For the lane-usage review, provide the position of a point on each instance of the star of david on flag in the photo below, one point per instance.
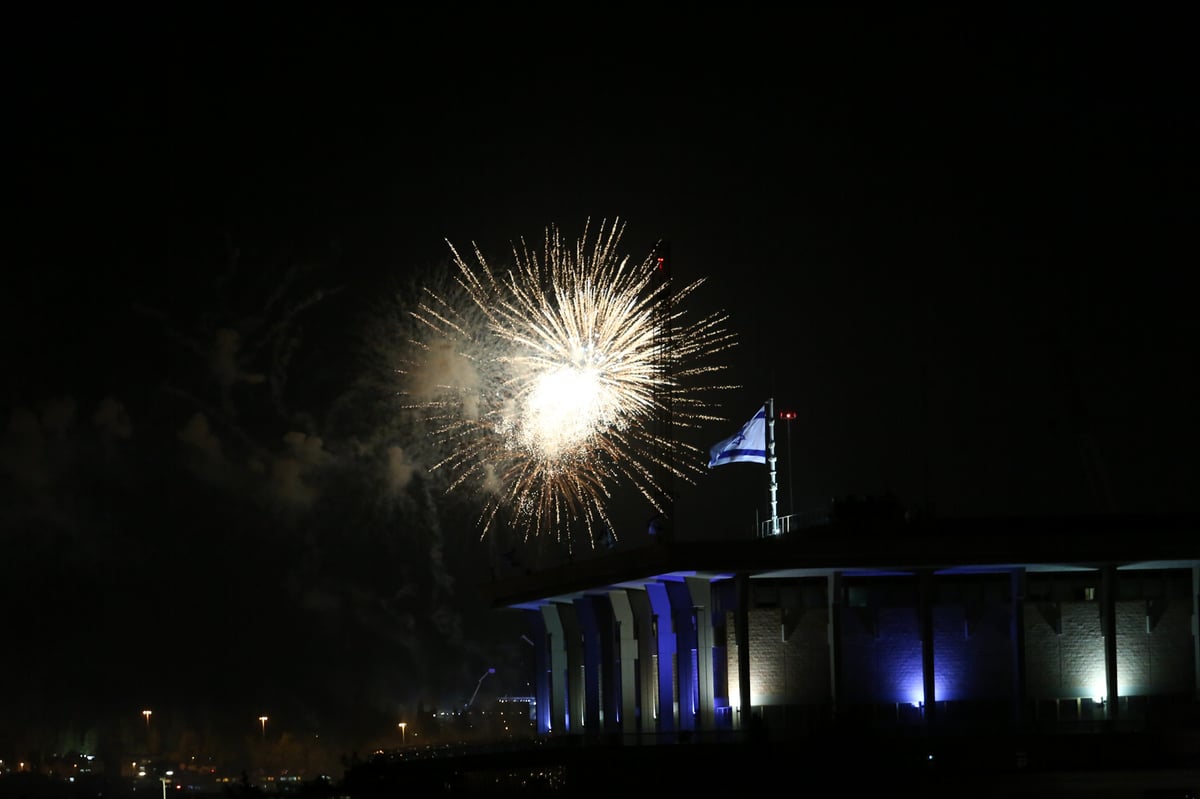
(749, 445)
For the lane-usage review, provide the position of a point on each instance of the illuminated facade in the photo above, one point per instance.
(947, 624)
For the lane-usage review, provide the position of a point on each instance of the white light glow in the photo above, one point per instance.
(546, 384)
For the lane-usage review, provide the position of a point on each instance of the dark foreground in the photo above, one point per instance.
(1110, 765)
(1104, 766)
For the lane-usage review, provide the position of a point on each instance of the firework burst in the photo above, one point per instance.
(552, 382)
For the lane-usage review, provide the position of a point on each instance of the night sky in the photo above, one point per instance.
(959, 248)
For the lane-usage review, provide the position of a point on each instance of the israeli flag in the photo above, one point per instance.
(748, 446)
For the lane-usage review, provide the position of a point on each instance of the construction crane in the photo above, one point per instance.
(471, 701)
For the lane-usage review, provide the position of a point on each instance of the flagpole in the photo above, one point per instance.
(772, 482)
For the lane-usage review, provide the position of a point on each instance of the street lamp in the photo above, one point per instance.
(263, 720)
(146, 715)
(164, 781)
(402, 725)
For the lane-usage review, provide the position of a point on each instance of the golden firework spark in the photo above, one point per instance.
(562, 377)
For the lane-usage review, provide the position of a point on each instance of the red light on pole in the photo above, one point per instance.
(789, 417)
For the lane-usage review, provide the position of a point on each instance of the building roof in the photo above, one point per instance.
(872, 543)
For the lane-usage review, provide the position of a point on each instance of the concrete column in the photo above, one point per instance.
(925, 599)
(647, 646)
(536, 624)
(1196, 625)
(1016, 633)
(593, 663)
(556, 712)
(608, 674)
(833, 599)
(665, 625)
(686, 691)
(1108, 626)
(576, 664)
(742, 635)
(701, 590)
(627, 658)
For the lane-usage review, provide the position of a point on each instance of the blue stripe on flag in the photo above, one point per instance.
(749, 445)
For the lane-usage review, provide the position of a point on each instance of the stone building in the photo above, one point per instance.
(871, 623)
